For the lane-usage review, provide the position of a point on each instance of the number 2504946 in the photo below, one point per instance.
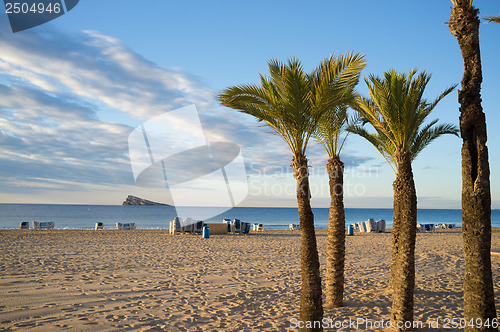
(477, 323)
(35, 8)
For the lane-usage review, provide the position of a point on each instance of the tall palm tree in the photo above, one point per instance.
(397, 110)
(479, 302)
(330, 134)
(291, 102)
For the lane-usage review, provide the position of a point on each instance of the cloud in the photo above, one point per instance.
(55, 89)
(99, 68)
(70, 100)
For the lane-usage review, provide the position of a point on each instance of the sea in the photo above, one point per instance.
(84, 217)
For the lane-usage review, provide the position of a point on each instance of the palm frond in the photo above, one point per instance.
(492, 19)
(397, 111)
(458, 3)
(330, 128)
(443, 94)
(333, 83)
(283, 101)
(428, 134)
(377, 141)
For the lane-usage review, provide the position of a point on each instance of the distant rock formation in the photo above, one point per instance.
(133, 200)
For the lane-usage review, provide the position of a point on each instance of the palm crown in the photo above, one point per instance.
(333, 122)
(397, 110)
(292, 102)
(333, 127)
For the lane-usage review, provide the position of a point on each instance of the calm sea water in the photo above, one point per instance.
(157, 217)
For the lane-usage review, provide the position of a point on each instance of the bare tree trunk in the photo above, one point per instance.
(479, 301)
(335, 246)
(311, 302)
(402, 278)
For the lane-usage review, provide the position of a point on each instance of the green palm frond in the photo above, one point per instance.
(492, 19)
(283, 101)
(377, 141)
(334, 81)
(330, 128)
(397, 110)
(429, 133)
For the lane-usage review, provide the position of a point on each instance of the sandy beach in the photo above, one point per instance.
(148, 280)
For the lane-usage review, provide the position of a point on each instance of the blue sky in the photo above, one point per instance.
(72, 91)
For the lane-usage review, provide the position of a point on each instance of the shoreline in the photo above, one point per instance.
(158, 217)
(150, 280)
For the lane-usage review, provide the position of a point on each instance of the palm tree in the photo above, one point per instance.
(397, 111)
(479, 302)
(285, 103)
(330, 135)
(292, 103)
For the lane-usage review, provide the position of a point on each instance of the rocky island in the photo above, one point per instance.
(133, 200)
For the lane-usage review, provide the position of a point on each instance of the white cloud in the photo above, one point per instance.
(57, 87)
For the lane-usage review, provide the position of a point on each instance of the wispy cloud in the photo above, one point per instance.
(57, 88)
(98, 68)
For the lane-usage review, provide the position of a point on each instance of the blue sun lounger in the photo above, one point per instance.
(245, 227)
(198, 226)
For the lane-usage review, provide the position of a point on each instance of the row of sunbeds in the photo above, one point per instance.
(188, 225)
(379, 226)
(371, 226)
(185, 226)
(238, 226)
(49, 225)
(432, 227)
(46, 225)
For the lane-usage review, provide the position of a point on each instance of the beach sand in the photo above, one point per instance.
(148, 280)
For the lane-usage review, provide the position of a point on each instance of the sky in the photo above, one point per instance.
(74, 89)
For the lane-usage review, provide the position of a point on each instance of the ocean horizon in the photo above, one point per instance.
(84, 216)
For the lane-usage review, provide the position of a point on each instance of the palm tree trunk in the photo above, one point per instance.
(311, 302)
(402, 278)
(335, 246)
(479, 302)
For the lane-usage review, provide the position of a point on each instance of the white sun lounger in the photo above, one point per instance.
(380, 225)
(426, 227)
(228, 222)
(43, 225)
(125, 226)
(187, 225)
(370, 225)
(258, 227)
(175, 226)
